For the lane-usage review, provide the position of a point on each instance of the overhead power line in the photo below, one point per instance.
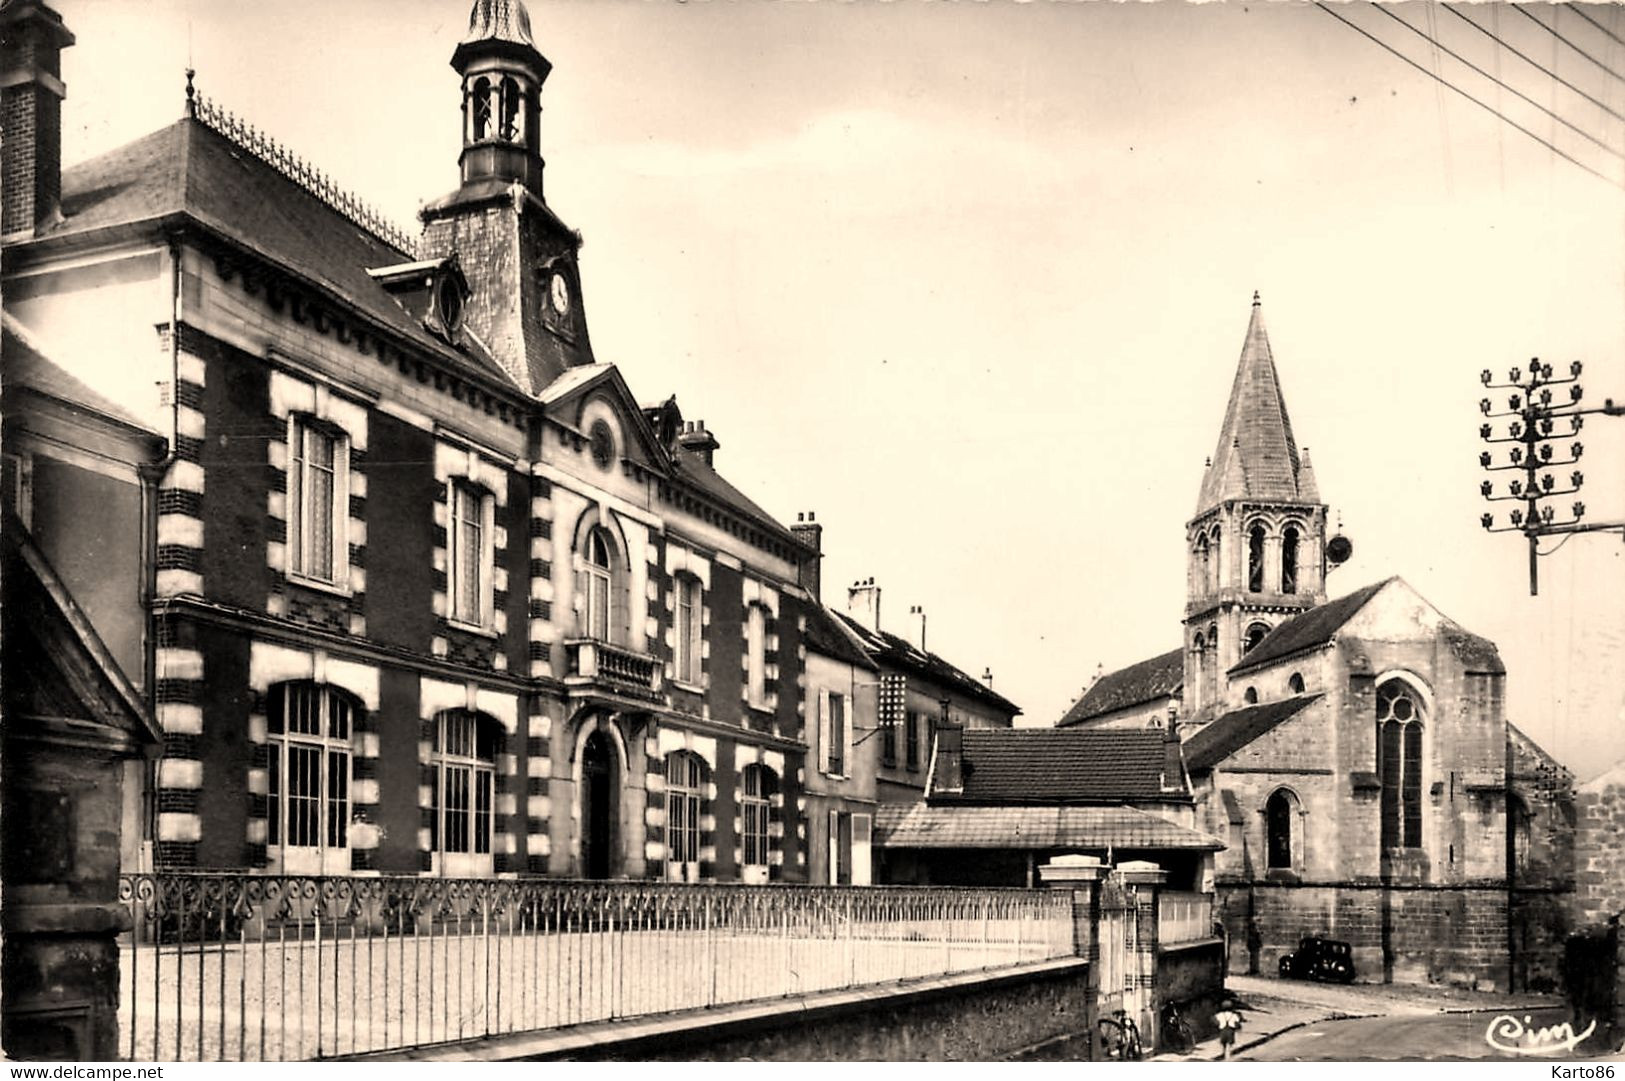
(1597, 24)
(1533, 63)
(1482, 105)
(1552, 30)
(1498, 82)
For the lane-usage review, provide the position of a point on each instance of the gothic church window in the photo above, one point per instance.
(1255, 634)
(1255, 559)
(1295, 683)
(1399, 764)
(1216, 540)
(1278, 813)
(1289, 560)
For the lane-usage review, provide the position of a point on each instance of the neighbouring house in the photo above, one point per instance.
(1353, 753)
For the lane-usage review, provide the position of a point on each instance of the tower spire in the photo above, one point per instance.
(1256, 456)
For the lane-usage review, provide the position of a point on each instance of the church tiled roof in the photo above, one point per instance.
(1053, 765)
(1308, 629)
(1148, 681)
(1257, 457)
(1219, 739)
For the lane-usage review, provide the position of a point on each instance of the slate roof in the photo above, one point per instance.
(26, 366)
(1220, 738)
(1308, 629)
(1149, 680)
(918, 825)
(189, 169)
(888, 648)
(1055, 765)
(711, 482)
(829, 636)
(1257, 457)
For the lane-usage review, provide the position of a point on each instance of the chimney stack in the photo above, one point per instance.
(810, 533)
(987, 677)
(863, 603)
(948, 770)
(1173, 757)
(916, 617)
(32, 38)
(697, 440)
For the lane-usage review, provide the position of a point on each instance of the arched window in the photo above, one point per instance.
(509, 128)
(480, 108)
(1278, 815)
(308, 728)
(1250, 696)
(1256, 633)
(759, 786)
(1294, 683)
(1216, 540)
(1399, 764)
(464, 755)
(1199, 656)
(1255, 559)
(1204, 566)
(1289, 560)
(685, 790)
(601, 592)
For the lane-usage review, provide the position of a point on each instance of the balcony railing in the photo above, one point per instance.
(1184, 917)
(258, 967)
(592, 662)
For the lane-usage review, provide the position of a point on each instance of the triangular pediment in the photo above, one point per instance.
(572, 397)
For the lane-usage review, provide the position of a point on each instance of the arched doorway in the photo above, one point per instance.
(598, 800)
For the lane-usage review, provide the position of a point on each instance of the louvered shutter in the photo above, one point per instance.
(860, 849)
(823, 731)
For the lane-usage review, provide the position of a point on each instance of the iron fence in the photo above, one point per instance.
(229, 966)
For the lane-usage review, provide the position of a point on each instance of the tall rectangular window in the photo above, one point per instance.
(465, 773)
(756, 641)
(468, 571)
(835, 744)
(689, 616)
(911, 740)
(308, 770)
(317, 479)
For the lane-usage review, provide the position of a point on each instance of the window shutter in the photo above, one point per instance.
(860, 849)
(823, 731)
(846, 737)
(580, 602)
(341, 512)
(834, 847)
(488, 514)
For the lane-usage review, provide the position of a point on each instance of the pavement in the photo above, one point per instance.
(1272, 1008)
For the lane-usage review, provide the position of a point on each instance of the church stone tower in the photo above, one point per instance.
(1256, 547)
(519, 258)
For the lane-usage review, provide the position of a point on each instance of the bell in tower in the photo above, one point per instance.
(502, 74)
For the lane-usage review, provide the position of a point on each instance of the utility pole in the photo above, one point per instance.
(1536, 422)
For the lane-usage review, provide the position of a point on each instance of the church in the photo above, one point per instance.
(1353, 753)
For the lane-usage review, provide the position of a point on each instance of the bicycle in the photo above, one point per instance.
(1120, 1037)
(1176, 1031)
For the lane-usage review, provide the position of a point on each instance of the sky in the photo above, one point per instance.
(970, 280)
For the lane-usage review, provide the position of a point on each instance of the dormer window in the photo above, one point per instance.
(448, 301)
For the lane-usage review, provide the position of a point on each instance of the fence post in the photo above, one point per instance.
(1080, 876)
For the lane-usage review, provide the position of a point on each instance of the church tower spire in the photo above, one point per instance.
(1256, 546)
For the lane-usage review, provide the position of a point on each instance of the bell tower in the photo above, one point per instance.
(520, 259)
(1256, 548)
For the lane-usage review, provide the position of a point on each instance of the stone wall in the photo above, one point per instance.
(1599, 844)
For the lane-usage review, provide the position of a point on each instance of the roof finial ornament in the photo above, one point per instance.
(191, 95)
(1255, 298)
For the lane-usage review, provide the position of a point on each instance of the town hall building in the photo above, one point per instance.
(1354, 754)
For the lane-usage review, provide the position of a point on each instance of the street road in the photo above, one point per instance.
(1453, 1036)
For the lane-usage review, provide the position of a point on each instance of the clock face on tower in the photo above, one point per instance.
(559, 293)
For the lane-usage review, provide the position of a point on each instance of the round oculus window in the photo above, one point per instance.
(602, 441)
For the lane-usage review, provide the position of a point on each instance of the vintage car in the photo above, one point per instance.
(1319, 959)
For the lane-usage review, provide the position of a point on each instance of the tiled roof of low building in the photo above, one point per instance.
(1219, 739)
(1054, 765)
(1308, 629)
(1148, 681)
(919, 825)
(888, 648)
